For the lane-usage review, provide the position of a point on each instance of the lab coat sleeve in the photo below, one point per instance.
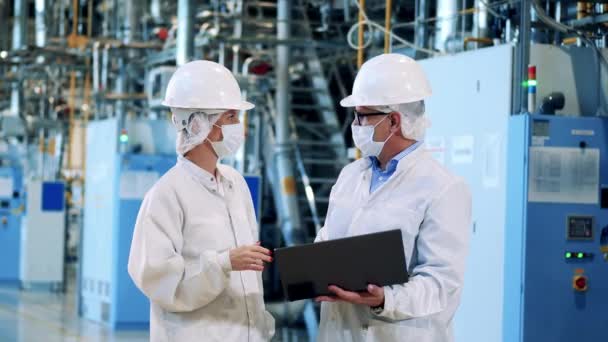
(442, 247)
(157, 267)
(322, 235)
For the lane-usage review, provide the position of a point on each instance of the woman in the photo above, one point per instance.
(194, 252)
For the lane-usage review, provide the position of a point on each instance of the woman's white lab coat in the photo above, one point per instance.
(179, 258)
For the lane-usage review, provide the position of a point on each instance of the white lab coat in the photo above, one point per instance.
(432, 208)
(180, 258)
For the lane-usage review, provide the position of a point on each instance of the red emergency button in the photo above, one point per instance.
(580, 283)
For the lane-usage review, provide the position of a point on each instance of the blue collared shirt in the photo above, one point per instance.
(380, 176)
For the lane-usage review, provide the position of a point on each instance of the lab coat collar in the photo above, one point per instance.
(202, 176)
(404, 163)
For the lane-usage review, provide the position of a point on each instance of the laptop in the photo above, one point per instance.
(351, 263)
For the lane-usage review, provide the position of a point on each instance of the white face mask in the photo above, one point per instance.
(234, 135)
(363, 136)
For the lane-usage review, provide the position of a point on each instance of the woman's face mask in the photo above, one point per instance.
(234, 136)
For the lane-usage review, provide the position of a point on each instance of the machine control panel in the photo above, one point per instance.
(580, 227)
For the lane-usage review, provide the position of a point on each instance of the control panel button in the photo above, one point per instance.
(580, 283)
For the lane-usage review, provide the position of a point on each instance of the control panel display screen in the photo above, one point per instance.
(580, 227)
(540, 128)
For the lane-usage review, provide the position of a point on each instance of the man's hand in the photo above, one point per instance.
(249, 258)
(372, 298)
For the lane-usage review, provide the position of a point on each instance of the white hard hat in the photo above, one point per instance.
(388, 79)
(201, 85)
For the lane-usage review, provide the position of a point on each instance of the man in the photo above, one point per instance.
(194, 252)
(397, 185)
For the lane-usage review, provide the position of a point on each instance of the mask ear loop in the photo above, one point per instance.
(389, 128)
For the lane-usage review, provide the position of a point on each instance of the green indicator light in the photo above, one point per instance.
(124, 138)
(568, 255)
(529, 83)
(580, 255)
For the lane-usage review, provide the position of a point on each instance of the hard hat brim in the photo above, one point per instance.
(355, 101)
(243, 105)
(348, 101)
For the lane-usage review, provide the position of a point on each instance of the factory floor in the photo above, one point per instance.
(32, 316)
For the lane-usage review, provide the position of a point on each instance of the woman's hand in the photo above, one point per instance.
(249, 258)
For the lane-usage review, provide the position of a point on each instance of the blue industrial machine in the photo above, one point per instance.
(531, 178)
(254, 183)
(122, 165)
(556, 241)
(43, 235)
(11, 212)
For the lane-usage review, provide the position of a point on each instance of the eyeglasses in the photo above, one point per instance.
(359, 116)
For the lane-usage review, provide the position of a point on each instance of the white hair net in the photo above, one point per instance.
(413, 121)
(199, 126)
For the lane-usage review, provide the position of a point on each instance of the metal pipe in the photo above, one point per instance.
(558, 18)
(62, 22)
(185, 32)
(290, 217)
(346, 5)
(4, 25)
(72, 105)
(96, 66)
(360, 34)
(85, 123)
(105, 22)
(121, 88)
(422, 12)
(87, 91)
(480, 20)
(41, 147)
(446, 27)
(19, 31)
(238, 33)
(105, 57)
(40, 23)
(40, 27)
(463, 19)
(130, 20)
(221, 56)
(155, 10)
(19, 23)
(90, 18)
(387, 26)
